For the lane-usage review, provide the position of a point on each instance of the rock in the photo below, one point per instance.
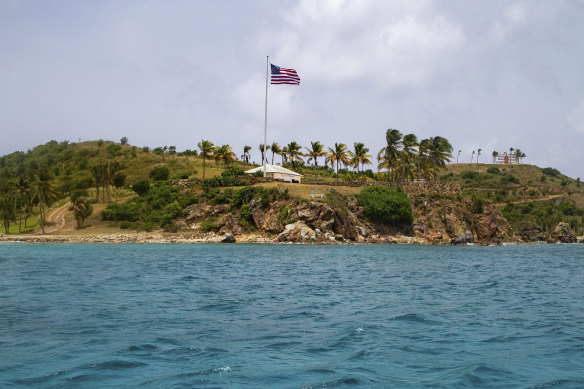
(464, 238)
(564, 234)
(229, 238)
(531, 232)
(339, 237)
(297, 232)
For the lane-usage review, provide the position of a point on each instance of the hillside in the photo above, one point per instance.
(493, 202)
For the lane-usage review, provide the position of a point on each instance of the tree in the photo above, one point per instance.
(472, 156)
(7, 211)
(422, 156)
(112, 168)
(495, 155)
(359, 156)
(410, 142)
(225, 153)
(294, 154)
(478, 155)
(264, 149)
(159, 173)
(284, 154)
(22, 188)
(458, 155)
(141, 187)
(393, 139)
(98, 174)
(439, 152)
(46, 193)
(275, 150)
(124, 140)
(338, 154)
(245, 157)
(206, 150)
(315, 151)
(82, 209)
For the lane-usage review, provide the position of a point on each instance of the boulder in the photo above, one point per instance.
(297, 232)
(229, 238)
(464, 238)
(564, 234)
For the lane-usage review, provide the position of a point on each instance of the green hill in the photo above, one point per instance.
(529, 197)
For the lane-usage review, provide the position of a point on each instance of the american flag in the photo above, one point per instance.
(284, 76)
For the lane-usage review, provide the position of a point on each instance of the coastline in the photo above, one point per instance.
(159, 237)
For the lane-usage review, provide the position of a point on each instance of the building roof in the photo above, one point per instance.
(274, 169)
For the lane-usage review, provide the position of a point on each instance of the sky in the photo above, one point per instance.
(484, 74)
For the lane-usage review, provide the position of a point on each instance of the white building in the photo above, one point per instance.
(277, 173)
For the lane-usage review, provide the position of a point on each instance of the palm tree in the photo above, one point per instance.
(518, 155)
(393, 139)
(98, 175)
(245, 156)
(284, 154)
(264, 149)
(495, 155)
(422, 157)
(275, 150)
(22, 188)
(315, 151)
(45, 192)
(112, 168)
(206, 150)
(360, 156)
(439, 152)
(458, 155)
(7, 211)
(294, 154)
(478, 155)
(410, 142)
(472, 156)
(225, 153)
(337, 155)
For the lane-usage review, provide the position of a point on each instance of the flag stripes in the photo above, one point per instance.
(284, 76)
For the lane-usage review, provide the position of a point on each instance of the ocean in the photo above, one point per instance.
(291, 316)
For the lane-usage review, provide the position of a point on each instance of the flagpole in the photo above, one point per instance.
(266, 116)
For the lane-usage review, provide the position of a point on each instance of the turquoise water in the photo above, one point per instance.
(209, 316)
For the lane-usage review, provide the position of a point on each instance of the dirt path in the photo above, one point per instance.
(544, 198)
(56, 218)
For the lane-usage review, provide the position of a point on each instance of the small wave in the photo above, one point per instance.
(339, 382)
(143, 347)
(559, 384)
(116, 364)
(413, 317)
(221, 369)
(189, 278)
(40, 379)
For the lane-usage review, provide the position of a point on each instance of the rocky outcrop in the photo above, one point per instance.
(441, 219)
(563, 233)
(531, 232)
(464, 238)
(297, 232)
(229, 238)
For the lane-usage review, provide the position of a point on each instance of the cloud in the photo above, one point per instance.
(378, 42)
(513, 17)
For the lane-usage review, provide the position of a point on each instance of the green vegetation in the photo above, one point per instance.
(545, 214)
(386, 205)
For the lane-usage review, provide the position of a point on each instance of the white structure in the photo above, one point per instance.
(506, 159)
(277, 173)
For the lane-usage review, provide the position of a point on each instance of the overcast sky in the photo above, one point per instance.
(484, 74)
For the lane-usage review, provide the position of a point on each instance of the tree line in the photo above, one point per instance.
(402, 157)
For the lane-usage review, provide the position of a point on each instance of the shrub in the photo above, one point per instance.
(509, 179)
(245, 195)
(386, 205)
(160, 173)
(493, 170)
(245, 213)
(208, 224)
(233, 171)
(77, 193)
(141, 187)
(551, 172)
(469, 175)
(259, 174)
(129, 211)
(220, 181)
(120, 179)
